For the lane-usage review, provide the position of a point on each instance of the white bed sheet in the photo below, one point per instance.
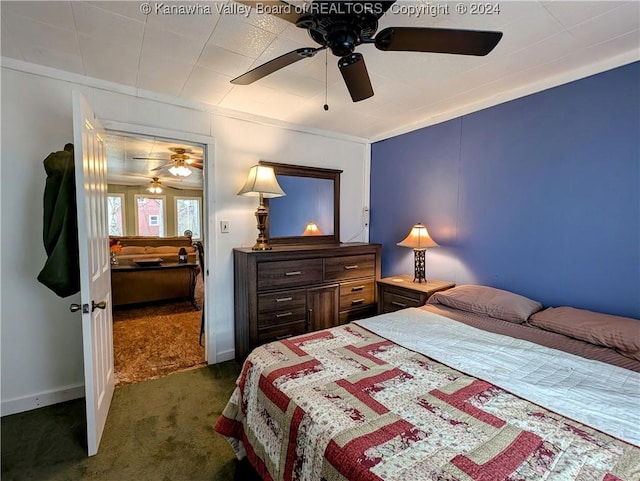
(594, 393)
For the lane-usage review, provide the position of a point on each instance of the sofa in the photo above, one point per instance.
(132, 283)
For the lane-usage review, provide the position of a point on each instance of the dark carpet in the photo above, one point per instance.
(158, 430)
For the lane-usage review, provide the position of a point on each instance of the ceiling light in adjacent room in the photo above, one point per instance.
(180, 170)
(155, 187)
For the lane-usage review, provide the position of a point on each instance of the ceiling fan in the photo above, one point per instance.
(342, 25)
(180, 162)
(156, 187)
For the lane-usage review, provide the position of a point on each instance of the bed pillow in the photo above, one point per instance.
(493, 302)
(616, 332)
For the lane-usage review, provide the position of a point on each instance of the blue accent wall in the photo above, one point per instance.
(539, 196)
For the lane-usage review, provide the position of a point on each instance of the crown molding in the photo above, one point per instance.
(114, 87)
(523, 91)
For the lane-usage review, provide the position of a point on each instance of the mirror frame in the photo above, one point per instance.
(316, 173)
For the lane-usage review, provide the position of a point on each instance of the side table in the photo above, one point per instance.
(400, 292)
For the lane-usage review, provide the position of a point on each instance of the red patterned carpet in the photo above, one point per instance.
(156, 340)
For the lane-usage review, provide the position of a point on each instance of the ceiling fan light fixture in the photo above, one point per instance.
(155, 187)
(180, 171)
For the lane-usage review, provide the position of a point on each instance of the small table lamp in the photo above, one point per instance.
(419, 240)
(312, 229)
(261, 182)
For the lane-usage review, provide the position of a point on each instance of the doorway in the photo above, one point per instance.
(156, 191)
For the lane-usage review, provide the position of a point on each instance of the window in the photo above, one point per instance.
(115, 211)
(150, 215)
(188, 216)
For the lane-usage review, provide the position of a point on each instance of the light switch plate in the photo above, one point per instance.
(224, 226)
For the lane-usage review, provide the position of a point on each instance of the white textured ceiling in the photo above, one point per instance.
(195, 56)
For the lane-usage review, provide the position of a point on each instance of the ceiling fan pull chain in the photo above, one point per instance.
(326, 79)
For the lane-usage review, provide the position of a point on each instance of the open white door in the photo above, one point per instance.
(95, 275)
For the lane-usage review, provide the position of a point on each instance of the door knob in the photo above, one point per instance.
(99, 305)
(75, 307)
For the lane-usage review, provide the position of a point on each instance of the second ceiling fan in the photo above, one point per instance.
(156, 186)
(343, 25)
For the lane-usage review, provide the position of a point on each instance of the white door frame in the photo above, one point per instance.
(208, 210)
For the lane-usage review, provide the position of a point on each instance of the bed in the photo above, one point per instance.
(479, 384)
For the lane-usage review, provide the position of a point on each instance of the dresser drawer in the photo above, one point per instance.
(417, 296)
(357, 294)
(349, 267)
(284, 316)
(272, 275)
(282, 331)
(355, 314)
(282, 301)
(393, 302)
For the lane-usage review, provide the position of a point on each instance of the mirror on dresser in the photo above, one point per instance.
(310, 212)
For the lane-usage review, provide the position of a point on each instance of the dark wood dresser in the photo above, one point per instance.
(292, 290)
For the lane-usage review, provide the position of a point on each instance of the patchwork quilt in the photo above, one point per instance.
(346, 404)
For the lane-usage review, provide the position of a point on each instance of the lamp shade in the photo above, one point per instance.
(261, 180)
(312, 229)
(418, 238)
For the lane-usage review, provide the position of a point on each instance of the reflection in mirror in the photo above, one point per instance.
(307, 200)
(309, 213)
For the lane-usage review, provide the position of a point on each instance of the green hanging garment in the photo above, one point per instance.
(61, 271)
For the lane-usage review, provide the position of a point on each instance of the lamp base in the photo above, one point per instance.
(262, 214)
(419, 265)
(261, 246)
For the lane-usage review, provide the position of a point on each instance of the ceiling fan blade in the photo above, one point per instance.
(275, 64)
(355, 75)
(162, 166)
(147, 158)
(195, 165)
(437, 40)
(278, 8)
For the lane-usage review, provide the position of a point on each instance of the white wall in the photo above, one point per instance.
(41, 341)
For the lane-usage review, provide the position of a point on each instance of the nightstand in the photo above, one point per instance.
(400, 292)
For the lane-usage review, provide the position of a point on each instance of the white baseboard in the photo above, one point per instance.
(47, 398)
(35, 401)
(226, 355)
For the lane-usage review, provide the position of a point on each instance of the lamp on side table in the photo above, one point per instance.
(419, 240)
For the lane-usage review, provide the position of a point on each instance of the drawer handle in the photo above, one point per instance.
(399, 304)
(348, 268)
(356, 289)
(284, 299)
(284, 314)
(294, 273)
(355, 302)
(280, 338)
